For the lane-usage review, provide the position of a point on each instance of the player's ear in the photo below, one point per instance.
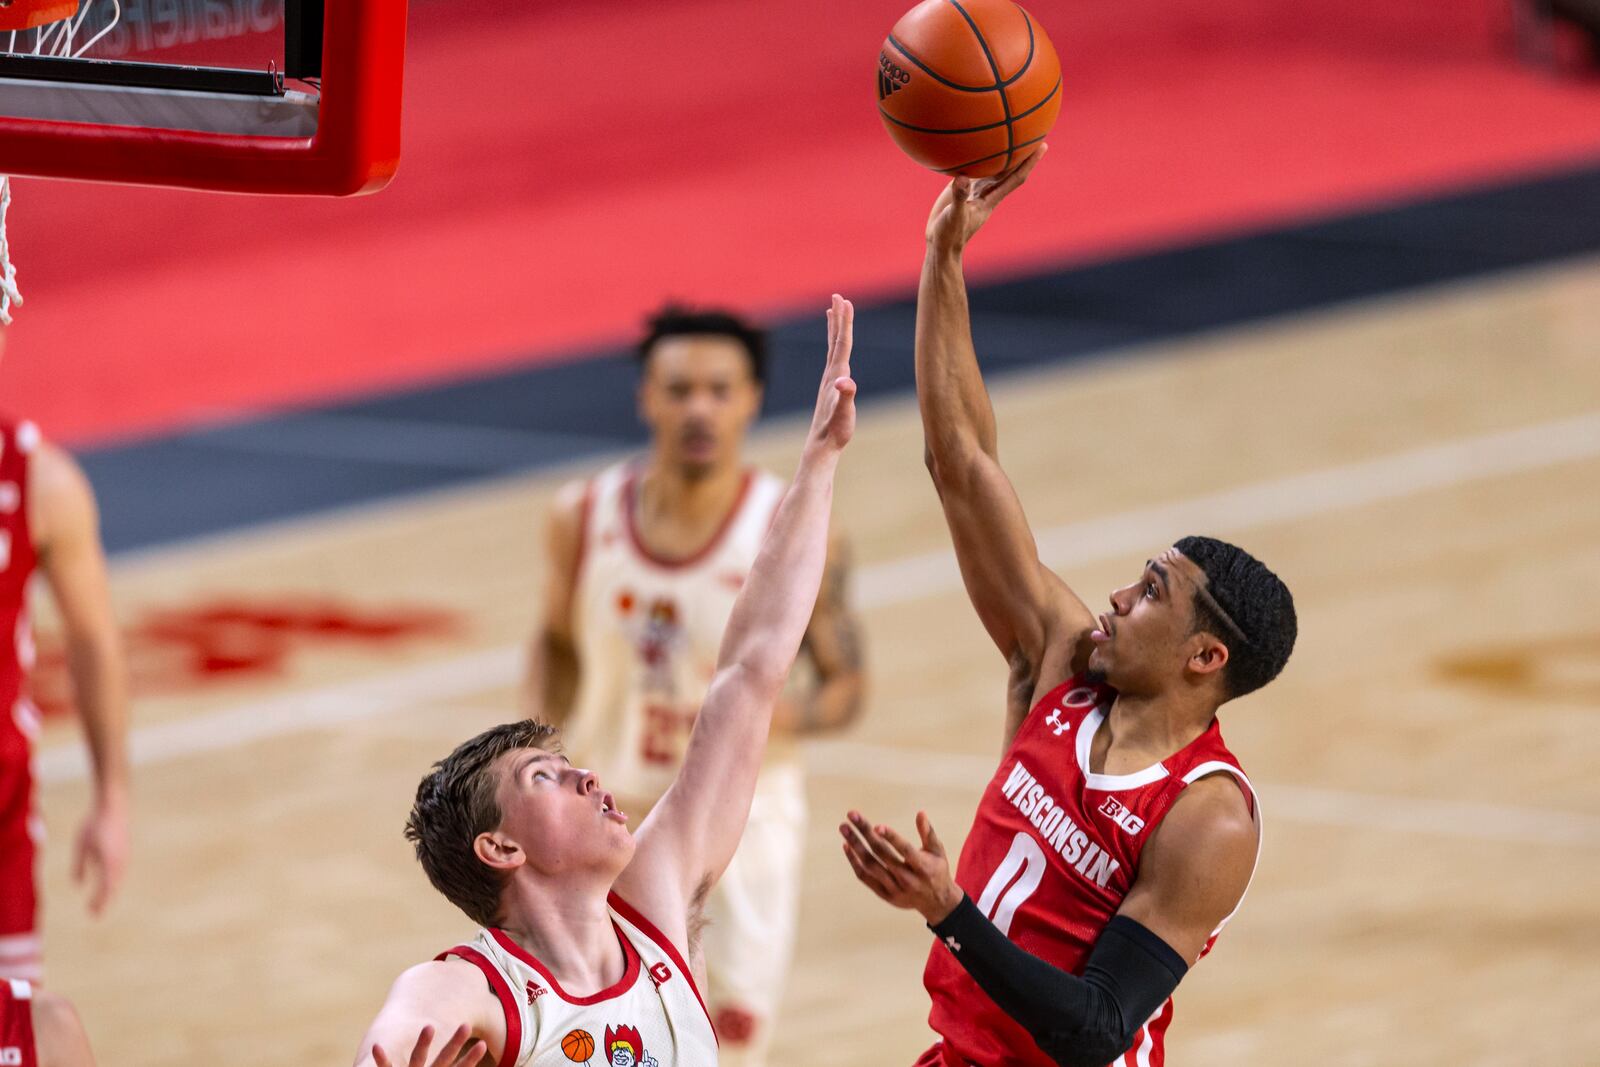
(1209, 655)
(499, 851)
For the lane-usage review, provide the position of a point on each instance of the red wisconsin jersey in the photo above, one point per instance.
(16, 1024)
(1053, 851)
(17, 443)
(19, 723)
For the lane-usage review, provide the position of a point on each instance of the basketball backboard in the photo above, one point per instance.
(251, 96)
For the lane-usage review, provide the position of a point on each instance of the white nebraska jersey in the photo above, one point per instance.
(652, 1017)
(647, 632)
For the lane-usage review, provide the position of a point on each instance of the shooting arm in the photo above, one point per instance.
(552, 682)
(1023, 605)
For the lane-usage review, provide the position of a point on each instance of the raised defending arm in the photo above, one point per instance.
(1022, 604)
(691, 834)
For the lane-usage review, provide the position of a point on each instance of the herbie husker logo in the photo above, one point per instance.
(625, 1048)
(1114, 810)
(656, 628)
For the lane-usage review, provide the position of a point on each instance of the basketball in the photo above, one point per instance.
(968, 86)
(578, 1045)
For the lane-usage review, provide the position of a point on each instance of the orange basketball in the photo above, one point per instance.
(968, 86)
(578, 1045)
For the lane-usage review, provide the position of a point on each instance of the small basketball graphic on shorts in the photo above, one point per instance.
(578, 1045)
(968, 86)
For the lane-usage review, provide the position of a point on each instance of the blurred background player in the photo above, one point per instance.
(644, 561)
(49, 522)
(39, 1029)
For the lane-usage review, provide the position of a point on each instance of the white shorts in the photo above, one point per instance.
(751, 917)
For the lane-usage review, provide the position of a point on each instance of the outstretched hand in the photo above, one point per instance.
(966, 204)
(459, 1051)
(834, 421)
(905, 875)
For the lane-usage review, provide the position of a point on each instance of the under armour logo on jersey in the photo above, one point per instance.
(1059, 725)
(660, 973)
(535, 991)
(10, 1056)
(955, 946)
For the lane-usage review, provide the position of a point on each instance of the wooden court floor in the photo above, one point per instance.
(1425, 473)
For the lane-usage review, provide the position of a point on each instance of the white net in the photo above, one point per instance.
(69, 38)
(8, 272)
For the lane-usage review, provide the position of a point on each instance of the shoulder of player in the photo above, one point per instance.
(451, 980)
(1064, 659)
(565, 518)
(59, 493)
(1210, 822)
(568, 504)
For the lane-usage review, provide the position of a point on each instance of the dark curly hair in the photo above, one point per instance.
(675, 320)
(455, 803)
(1255, 600)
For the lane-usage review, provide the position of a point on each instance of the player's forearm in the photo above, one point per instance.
(772, 611)
(956, 413)
(100, 687)
(1077, 1021)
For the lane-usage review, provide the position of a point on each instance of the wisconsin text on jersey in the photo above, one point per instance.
(1057, 829)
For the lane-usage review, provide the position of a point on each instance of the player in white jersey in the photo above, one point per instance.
(590, 951)
(644, 561)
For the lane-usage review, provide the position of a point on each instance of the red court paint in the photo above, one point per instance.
(186, 649)
(568, 166)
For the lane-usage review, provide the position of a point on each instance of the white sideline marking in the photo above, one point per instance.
(900, 581)
(919, 768)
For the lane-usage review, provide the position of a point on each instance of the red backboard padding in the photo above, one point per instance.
(16, 15)
(356, 148)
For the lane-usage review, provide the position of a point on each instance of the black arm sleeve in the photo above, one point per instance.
(1078, 1022)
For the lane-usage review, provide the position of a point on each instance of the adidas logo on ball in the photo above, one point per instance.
(891, 78)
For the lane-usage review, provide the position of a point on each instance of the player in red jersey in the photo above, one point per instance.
(39, 1030)
(1119, 833)
(48, 521)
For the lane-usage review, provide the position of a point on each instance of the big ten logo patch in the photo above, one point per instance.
(185, 649)
(1564, 668)
(1114, 810)
(660, 974)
